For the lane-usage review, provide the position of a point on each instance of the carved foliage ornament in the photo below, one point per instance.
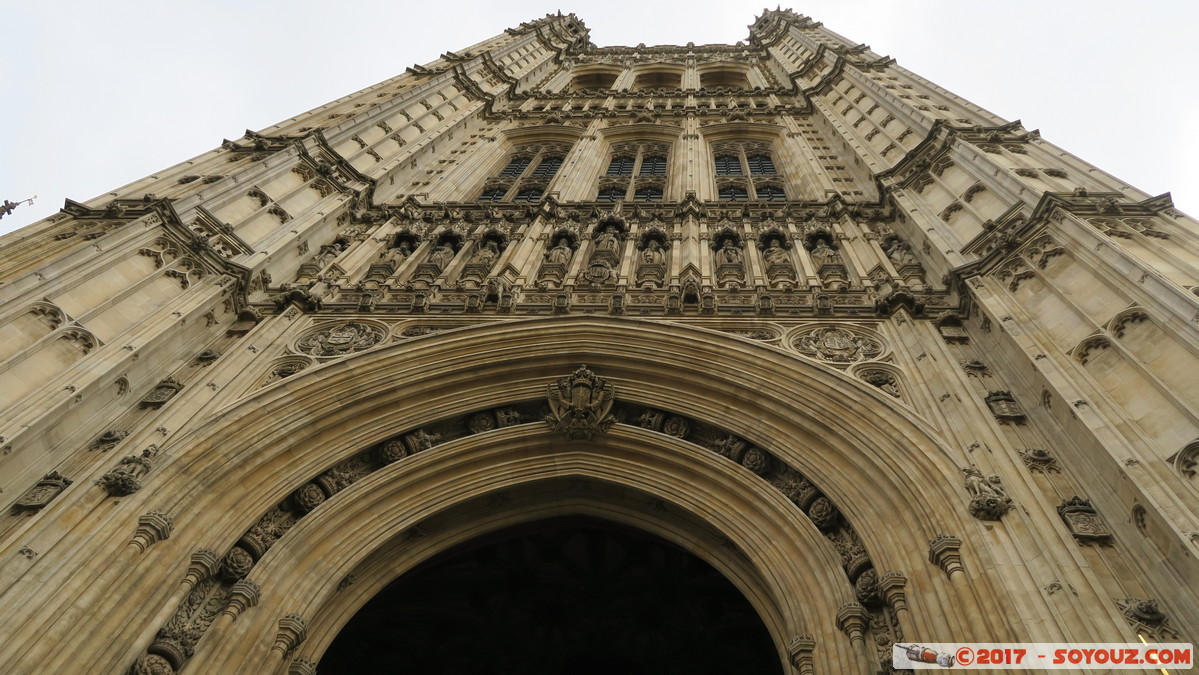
(838, 345)
(581, 405)
(341, 339)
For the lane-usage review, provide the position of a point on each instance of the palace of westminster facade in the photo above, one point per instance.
(891, 367)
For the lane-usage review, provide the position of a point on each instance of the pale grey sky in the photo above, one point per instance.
(100, 94)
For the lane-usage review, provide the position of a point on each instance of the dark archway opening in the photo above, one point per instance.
(569, 596)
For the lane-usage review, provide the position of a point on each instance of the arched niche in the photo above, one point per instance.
(594, 78)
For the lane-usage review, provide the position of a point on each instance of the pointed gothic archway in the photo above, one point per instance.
(570, 595)
(871, 461)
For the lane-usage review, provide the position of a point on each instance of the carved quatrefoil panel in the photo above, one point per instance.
(839, 344)
(341, 338)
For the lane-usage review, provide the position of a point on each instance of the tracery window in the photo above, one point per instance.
(746, 171)
(621, 165)
(636, 171)
(527, 174)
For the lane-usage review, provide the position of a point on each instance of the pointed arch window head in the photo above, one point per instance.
(495, 194)
(750, 158)
(526, 176)
(621, 166)
(648, 193)
(728, 165)
(528, 195)
(610, 194)
(734, 193)
(771, 193)
(646, 160)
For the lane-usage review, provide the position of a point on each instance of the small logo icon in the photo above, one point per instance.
(919, 654)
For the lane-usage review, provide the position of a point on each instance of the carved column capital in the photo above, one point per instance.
(891, 585)
(152, 527)
(205, 563)
(800, 652)
(292, 631)
(944, 551)
(243, 595)
(852, 619)
(302, 666)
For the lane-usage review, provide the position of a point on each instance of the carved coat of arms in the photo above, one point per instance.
(581, 404)
(838, 345)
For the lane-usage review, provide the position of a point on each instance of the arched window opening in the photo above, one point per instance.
(728, 165)
(621, 166)
(547, 167)
(516, 166)
(760, 165)
(653, 165)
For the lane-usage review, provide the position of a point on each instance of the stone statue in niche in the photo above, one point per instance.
(561, 253)
(728, 254)
(775, 254)
(830, 267)
(486, 254)
(652, 267)
(441, 255)
(329, 253)
(557, 260)
(900, 253)
(581, 405)
(780, 270)
(988, 497)
(396, 256)
(822, 253)
(653, 253)
(608, 240)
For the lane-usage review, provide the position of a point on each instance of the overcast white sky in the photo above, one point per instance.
(98, 94)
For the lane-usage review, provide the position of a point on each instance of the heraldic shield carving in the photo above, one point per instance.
(581, 404)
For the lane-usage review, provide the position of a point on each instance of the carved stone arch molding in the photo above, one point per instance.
(870, 458)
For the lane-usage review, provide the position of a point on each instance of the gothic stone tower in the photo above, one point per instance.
(892, 366)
